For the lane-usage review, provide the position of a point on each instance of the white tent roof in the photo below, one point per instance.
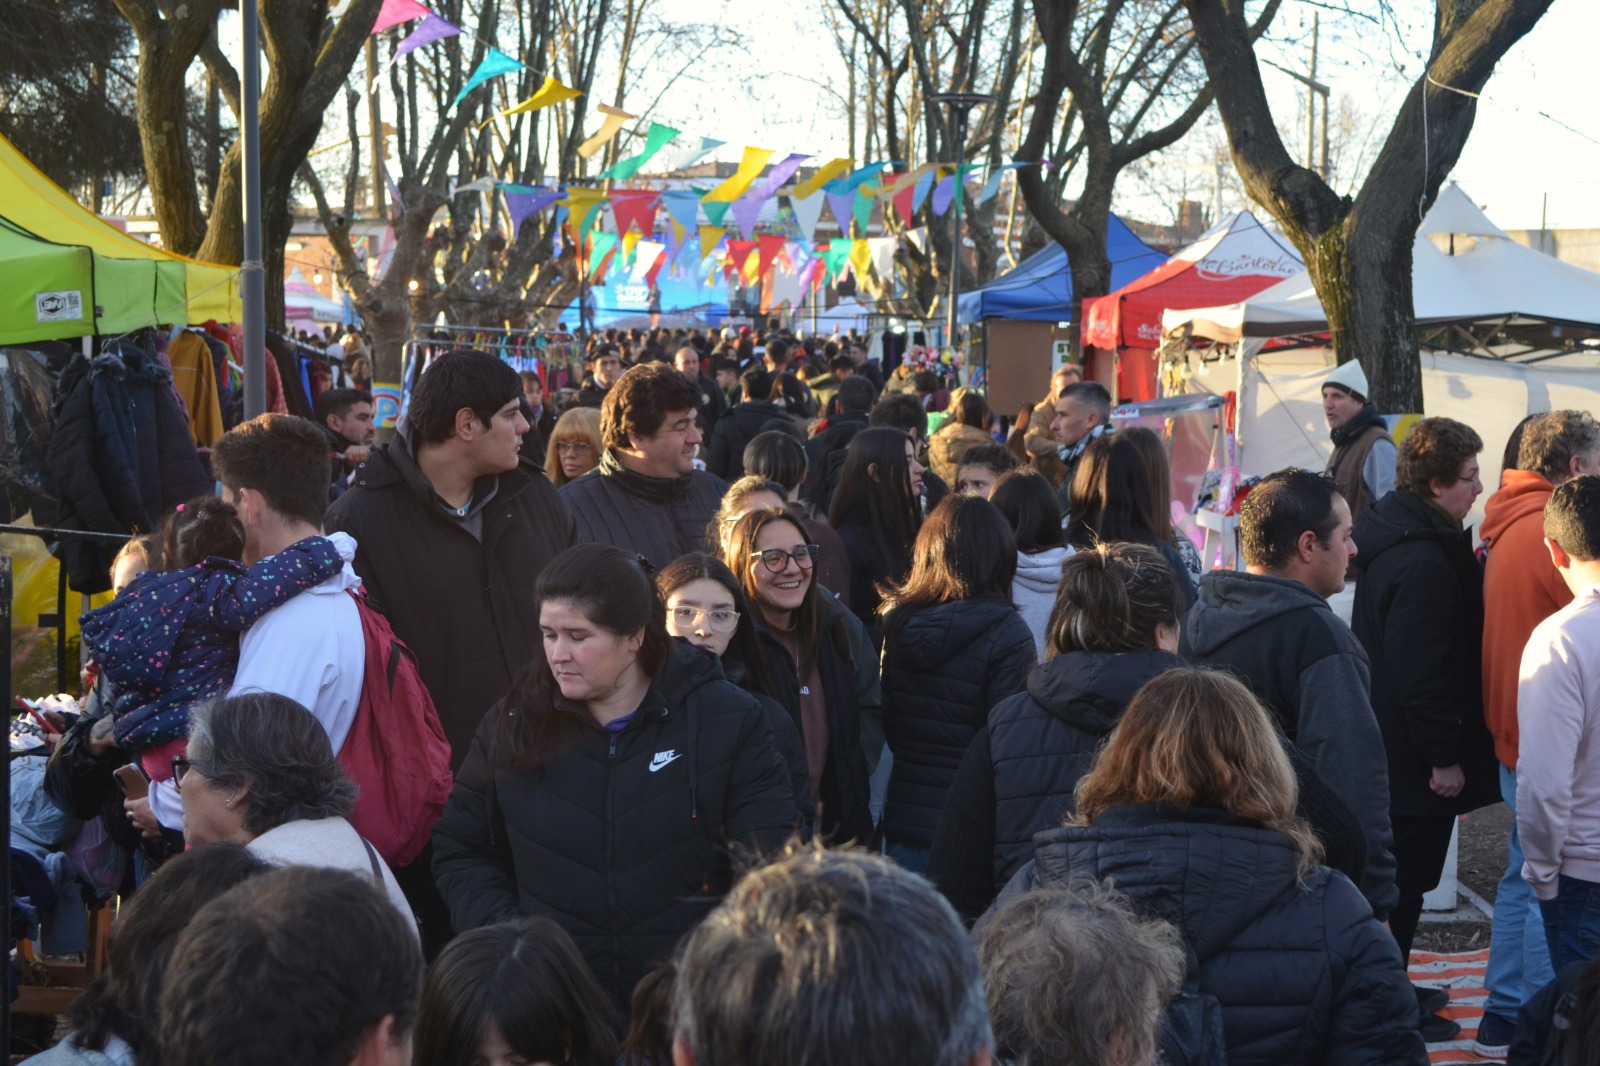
(303, 303)
(1489, 278)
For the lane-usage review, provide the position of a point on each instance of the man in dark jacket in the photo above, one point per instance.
(646, 495)
(1419, 615)
(1083, 413)
(605, 369)
(713, 404)
(1362, 464)
(825, 451)
(1272, 626)
(749, 417)
(345, 416)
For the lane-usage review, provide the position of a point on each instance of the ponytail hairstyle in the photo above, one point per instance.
(613, 590)
(745, 647)
(884, 505)
(200, 528)
(964, 551)
(1111, 599)
(1198, 738)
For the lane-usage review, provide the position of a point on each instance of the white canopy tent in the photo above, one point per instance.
(1504, 317)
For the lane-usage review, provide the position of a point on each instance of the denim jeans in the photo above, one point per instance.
(1519, 960)
(910, 856)
(1572, 921)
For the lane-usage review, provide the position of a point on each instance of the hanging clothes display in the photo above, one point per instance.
(194, 376)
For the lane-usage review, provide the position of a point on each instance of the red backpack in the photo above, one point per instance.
(396, 751)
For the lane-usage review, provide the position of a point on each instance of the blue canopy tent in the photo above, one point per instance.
(1039, 289)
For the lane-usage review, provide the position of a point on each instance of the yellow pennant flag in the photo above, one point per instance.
(678, 231)
(825, 173)
(860, 258)
(551, 92)
(615, 117)
(709, 237)
(580, 204)
(629, 240)
(750, 167)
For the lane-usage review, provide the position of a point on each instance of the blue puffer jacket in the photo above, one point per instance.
(944, 668)
(1303, 972)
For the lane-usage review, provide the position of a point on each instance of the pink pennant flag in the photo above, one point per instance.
(394, 12)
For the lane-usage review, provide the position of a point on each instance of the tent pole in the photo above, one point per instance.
(252, 272)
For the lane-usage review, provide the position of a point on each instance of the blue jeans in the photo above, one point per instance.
(1519, 960)
(910, 856)
(1572, 921)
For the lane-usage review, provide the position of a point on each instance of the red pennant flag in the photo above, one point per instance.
(655, 268)
(635, 207)
(904, 202)
(769, 246)
(739, 253)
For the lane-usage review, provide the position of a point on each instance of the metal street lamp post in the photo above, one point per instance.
(960, 105)
(252, 271)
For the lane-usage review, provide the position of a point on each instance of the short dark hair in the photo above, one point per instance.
(276, 748)
(723, 362)
(338, 402)
(1434, 450)
(638, 404)
(1549, 441)
(855, 394)
(901, 411)
(831, 956)
(467, 378)
(604, 350)
(778, 456)
(1572, 517)
(1282, 506)
(527, 980)
(282, 457)
(1029, 504)
(295, 965)
(778, 352)
(124, 1000)
(1091, 394)
(756, 383)
(841, 362)
(996, 457)
(925, 381)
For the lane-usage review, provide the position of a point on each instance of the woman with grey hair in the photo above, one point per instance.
(259, 771)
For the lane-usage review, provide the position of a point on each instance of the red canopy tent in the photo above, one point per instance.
(1233, 260)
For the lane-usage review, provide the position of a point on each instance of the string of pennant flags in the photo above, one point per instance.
(614, 230)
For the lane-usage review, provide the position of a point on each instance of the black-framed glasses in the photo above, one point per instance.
(775, 559)
(720, 619)
(180, 766)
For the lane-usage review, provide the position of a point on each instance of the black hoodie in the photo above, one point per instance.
(737, 428)
(1303, 972)
(627, 838)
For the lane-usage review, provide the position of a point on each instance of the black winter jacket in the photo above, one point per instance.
(658, 518)
(627, 839)
(737, 428)
(1419, 614)
(848, 668)
(945, 667)
(786, 738)
(591, 393)
(825, 455)
(464, 607)
(1303, 972)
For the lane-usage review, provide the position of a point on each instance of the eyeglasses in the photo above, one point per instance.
(721, 619)
(573, 447)
(775, 559)
(180, 766)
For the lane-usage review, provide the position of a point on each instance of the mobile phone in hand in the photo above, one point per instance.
(135, 785)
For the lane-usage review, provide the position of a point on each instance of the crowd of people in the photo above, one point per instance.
(800, 713)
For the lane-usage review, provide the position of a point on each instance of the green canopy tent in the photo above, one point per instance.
(46, 289)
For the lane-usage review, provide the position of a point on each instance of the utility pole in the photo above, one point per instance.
(960, 105)
(252, 271)
(1314, 89)
(1311, 101)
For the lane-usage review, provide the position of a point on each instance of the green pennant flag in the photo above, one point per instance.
(715, 210)
(600, 246)
(657, 139)
(836, 255)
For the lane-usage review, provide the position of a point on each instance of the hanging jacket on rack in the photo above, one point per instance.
(194, 375)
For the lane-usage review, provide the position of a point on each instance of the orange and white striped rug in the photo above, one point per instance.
(1463, 976)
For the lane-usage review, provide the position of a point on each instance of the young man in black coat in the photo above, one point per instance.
(753, 414)
(453, 529)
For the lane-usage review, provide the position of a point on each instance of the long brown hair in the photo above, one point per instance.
(964, 551)
(883, 505)
(813, 622)
(1158, 468)
(1198, 738)
(1111, 497)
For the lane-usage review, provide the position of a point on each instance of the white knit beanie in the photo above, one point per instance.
(1349, 377)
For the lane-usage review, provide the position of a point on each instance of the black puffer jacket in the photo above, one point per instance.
(737, 428)
(658, 518)
(944, 668)
(626, 839)
(1303, 972)
(464, 606)
(786, 738)
(1419, 614)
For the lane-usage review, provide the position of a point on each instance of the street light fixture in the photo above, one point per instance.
(960, 105)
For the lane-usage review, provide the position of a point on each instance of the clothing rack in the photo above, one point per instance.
(555, 355)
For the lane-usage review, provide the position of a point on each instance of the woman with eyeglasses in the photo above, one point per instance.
(953, 647)
(877, 510)
(574, 445)
(259, 771)
(823, 667)
(615, 785)
(706, 607)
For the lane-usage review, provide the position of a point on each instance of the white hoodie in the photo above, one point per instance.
(1034, 590)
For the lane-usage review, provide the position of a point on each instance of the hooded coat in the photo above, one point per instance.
(944, 668)
(463, 605)
(1302, 971)
(1033, 590)
(656, 517)
(627, 839)
(1419, 614)
(1521, 588)
(1284, 642)
(737, 428)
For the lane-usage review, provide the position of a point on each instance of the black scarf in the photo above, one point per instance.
(1367, 416)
